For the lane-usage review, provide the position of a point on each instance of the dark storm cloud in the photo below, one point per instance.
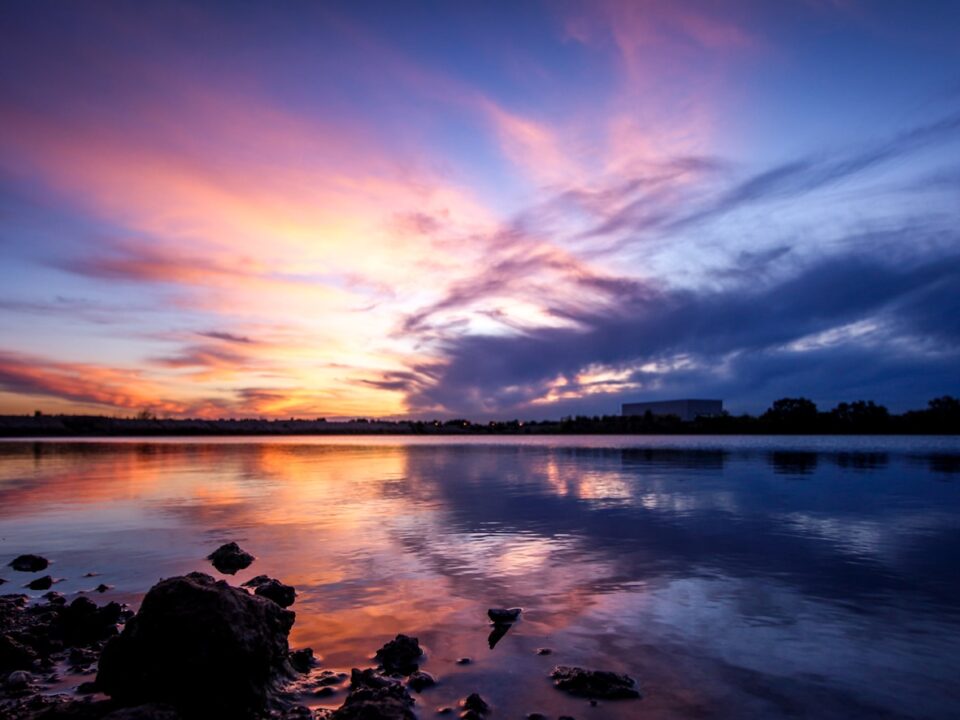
(737, 339)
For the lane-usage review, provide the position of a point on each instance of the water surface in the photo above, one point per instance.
(733, 577)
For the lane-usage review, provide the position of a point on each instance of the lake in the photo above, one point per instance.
(733, 577)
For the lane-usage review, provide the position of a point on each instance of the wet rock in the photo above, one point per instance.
(55, 598)
(502, 616)
(102, 588)
(2, 581)
(594, 683)
(566, 717)
(464, 661)
(536, 716)
(149, 711)
(369, 678)
(18, 681)
(544, 651)
(29, 563)
(82, 656)
(14, 655)
(41, 583)
(303, 660)
(421, 680)
(446, 710)
(268, 587)
(83, 623)
(229, 558)
(391, 702)
(401, 655)
(329, 677)
(325, 691)
(200, 645)
(88, 688)
(474, 703)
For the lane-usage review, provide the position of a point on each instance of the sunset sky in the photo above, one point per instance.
(491, 210)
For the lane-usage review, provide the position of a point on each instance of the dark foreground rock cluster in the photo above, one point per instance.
(201, 648)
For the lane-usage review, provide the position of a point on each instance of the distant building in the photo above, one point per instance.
(686, 410)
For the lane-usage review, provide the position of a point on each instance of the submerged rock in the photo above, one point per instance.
(594, 683)
(29, 563)
(474, 707)
(369, 678)
(229, 558)
(200, 645)
(421, 680)
(401, 655)
(501, 616)
(268, 587)
(41, 583)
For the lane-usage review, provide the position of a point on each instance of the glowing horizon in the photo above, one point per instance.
(403, 210)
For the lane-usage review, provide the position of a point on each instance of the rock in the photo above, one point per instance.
(369, 678)
(497, 633)
(566, 717)
(229, 558)
(401, 655)
(445, 710)
(390, 702)
(475, 703)
(102, 588)
(18, 681)
(83, 623)
(536, 716)
(2, 581)
(464, 661)
(594, 683)
(282, 595)
(14, 655)
(202, 646)
(82, 656)
(421, 680)
(88, 688)
(41, 583)
(325, 691)
(544, 651)
(29, 563)
(503, 615)
(302, 660)
(55, 598)
(150, 711)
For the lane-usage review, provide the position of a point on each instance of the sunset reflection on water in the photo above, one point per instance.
(751, 581)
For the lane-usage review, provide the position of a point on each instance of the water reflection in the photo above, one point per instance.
(726, 587)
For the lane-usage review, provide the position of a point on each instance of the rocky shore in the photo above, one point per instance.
(202, 648)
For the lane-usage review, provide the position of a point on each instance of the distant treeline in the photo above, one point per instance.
(787, 416)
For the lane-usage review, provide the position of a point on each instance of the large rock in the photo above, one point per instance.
(202, 646)
(29, 563)
(594, 683)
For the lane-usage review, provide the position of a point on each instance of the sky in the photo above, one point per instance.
(490, 210)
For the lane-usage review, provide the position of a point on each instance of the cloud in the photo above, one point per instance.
(701, 337)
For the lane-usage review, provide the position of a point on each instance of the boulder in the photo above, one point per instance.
(202, 646)
(29, 563)
(401, 655)
(83, 623)
(594, 683)
(229, 558)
